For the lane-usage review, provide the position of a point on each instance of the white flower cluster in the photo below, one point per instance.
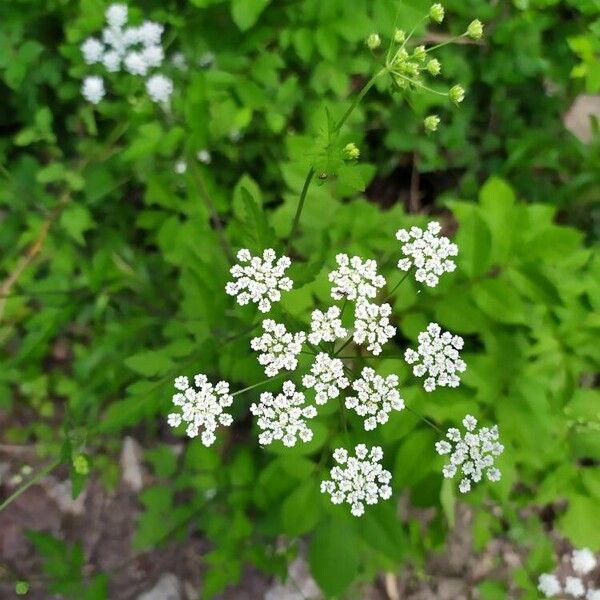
(279, 348)
(283, 417)
(202, 407)
(473, 453)
(136, 49)
(326, 377)
(376, 397)
(583, 562)
(259, 280)
(437, 356)
(355, 279)
(428, 252)
(326, 326)
(372, 325)
(361, 480)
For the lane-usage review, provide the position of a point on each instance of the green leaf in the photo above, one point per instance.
(301, 509)
(499, 301)
(474, 240)
(407, 470)
(258, 230)
(333, 555)
(581, 522)
(149, 363)
(245, 13)
(76, 220)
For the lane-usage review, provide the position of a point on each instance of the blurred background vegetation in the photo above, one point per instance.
(113, 263)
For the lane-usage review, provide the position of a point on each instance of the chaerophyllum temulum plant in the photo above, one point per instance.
(346, 337)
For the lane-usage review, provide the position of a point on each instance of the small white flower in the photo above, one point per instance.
(583, 561)
(437, 357)
(201, 407)
(474, 453)
(575, 587)
(372, 325)
(283, 417)
(135, 63)
(180, 167)
(278, 347)
(116, 15)
(159, 88)
(153, 56)
(376, 397)
(178, 61)
(355, 279)
(259, 280)
(206, 60)
(131, 36)
(204, 156)
(149, 33)
(326, 377)
(428, 252)
(360, 481)
(111, 61)
(549, 585)
(92, 89)
(593, 594)
(92, 50)
(326, 326)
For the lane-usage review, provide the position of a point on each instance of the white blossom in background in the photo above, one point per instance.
(549, 585)
(428, 252)
(437, 357)
(159, 88)
(92, 89)
(575, 587)
(178, 61)
(259, 280)
(372, 326)
(206, 60)
(204, 156)
(376, 397)
(278, 347)
(201, 405)
(326, 326)
(283, 417)
(592, 594)
(326, 377)
(359, 480)
(136, 49)
(471, 455)
(180, 167)
(355, 279)
(583, 561)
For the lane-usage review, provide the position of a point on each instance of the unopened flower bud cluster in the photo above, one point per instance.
(136, 50)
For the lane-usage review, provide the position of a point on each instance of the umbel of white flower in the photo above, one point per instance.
(278, 347)
(359, 480)
(471, 455)
(376, 397)
(428, 252)
(326, 326)
(283, 417)
(326, 377)
(135, 49)
(201, 407)
(92, 89)
(259, 280)
(372, 325)
(583, 562)
(354, 278)
(437, 357)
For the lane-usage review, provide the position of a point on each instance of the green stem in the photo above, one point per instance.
(442, 44)
(251, 387)
(35, 479)
(430, 423)
(311, 171)
(398, 285)
(343, 345)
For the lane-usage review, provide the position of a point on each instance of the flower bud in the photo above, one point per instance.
(399, 36)
(436, 12)
(419, 53)
(21, 588)
(475, 29)
(431, 123)
(351, 151)
(81, 465)
(457, 94)
(374, 41)
(434, 67)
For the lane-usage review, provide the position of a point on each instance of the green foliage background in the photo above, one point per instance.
(131, 267)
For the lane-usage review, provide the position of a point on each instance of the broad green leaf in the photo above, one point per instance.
(301, 510)
(499, 301)
(245, 13)
(581, 522)
(473, 238)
